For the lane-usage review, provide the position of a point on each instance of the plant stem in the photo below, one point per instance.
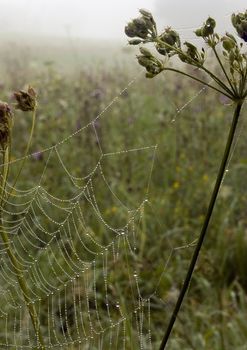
(26, 152)
(224, 71)
(23, 286)
(14, 261)
(213, 76)
(199, 80)
(205, 224)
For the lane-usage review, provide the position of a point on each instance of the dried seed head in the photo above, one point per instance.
(5, 124)
(26, 100)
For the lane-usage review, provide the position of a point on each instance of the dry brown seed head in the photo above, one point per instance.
(26, 100)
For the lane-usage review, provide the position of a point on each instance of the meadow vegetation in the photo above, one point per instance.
(72, 89)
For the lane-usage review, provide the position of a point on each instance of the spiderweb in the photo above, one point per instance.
(80, 239)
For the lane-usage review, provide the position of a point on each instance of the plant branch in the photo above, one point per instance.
(223, 69)
(23, 286)
(213, 76)
(199, 80)
(15, 262)
(205, 224)
(26, 152)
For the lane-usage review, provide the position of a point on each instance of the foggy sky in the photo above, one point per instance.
(107, 18)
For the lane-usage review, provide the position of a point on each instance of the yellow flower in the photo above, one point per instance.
(205, 178)
(176, 185)
(113, 210)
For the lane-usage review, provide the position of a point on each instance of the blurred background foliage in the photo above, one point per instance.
(75, 81)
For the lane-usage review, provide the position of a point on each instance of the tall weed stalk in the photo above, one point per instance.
(232, 83)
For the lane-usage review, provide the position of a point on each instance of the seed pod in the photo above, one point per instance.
(130, 30)
(208, 28)
(239, 22)
(146, 13)
(135, 41)
(198, 32)
(143, 61)
(169, 37)
(26, 100)
(228, 43)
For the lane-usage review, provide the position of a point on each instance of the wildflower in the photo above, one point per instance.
(239, 22)
(5, 124)
(176, 185)
(26, 100)
(114, 210)
(205, 178)
(38, 155)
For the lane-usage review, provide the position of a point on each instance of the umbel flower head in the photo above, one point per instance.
(239, 22)
(26, 100)
(5, 124)
(229, 54)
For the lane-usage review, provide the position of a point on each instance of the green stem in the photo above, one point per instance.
(25, 154)
(195, 63)
(5, 238)
(244, 82)
(199, 80)
(205, 225)
(23, 286)
(224, 71)
(5, 173)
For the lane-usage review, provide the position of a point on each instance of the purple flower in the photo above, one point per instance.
(38, 155)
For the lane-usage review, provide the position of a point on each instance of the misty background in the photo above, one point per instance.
(106, 19)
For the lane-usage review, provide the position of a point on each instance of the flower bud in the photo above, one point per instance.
(5, 124)
(26, 100)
